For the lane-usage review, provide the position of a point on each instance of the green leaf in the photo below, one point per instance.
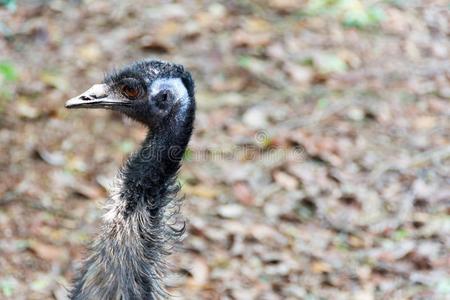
(41, 283)
(126, 146)
(351, 13)
(54, 79)
(356, 18)
(9, 4)
(323, 103)
(245, 62)
(361, 18)
(187, 156)
(400, 234)
(443, 287)
(376, 15)
(8, 71)
(318, 7)
(330, 63)
(7, 286)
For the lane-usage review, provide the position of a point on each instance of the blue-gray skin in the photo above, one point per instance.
(126, 260)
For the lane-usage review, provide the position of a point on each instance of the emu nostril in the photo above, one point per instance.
(85, 98)
(95, 96)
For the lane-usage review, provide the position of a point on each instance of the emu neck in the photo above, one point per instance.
(127, 258)
(153, 167)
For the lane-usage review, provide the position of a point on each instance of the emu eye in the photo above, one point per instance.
(130, 88)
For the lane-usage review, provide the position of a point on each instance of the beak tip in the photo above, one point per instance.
(68, 104)
(94, 97)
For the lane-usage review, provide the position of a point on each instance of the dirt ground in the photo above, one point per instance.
(320, 163)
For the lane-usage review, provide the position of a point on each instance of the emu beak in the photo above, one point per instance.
(97, 96)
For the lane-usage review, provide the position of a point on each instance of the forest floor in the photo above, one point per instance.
(320, 163)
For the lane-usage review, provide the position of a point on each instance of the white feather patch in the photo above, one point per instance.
(176, 86)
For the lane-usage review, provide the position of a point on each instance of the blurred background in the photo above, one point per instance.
(330, 119)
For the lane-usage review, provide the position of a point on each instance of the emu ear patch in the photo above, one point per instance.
(173, 85)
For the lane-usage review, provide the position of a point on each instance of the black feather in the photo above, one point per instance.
(127, 260)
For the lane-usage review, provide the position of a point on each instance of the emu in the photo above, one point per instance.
(127, 258)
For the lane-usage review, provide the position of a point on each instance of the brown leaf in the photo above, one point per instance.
(88, 191)
(420, 262)
(425, 122)
(230, 211)
(243, 193)
(285, 180)
(90, 53)
(48, 252)
(201, 191)
(299, 74)
(157, 45)
(242, 38)
(286, 6)
(320, 267)
(200, 272)
(26, 111)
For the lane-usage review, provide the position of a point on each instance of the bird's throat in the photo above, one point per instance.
(149, 174)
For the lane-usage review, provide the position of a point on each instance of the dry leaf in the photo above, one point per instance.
(200, 190)
(285, 180)
(200, 272)
(320, 267)
(48, 252)
(243, 193)
(230, 211)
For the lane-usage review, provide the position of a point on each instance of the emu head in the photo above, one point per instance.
(147, 91)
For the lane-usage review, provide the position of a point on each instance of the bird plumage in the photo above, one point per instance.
(127, 259)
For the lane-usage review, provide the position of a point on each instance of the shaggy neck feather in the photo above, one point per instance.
(127, 259)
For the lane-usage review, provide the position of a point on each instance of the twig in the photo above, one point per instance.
(417, 161)
(315, 119)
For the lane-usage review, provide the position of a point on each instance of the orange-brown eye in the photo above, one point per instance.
(130, 91)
